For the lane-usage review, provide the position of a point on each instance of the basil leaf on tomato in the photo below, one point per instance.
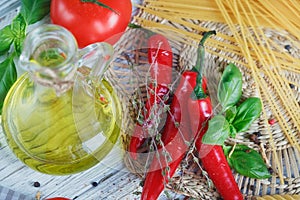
(217, 132)
(248, 162)
(247, 113)
(34, 10)
(230, 87)
(8, 75)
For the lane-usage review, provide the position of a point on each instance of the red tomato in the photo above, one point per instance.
(89, 22)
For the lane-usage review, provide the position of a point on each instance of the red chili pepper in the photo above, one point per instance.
(174, 137)
(175, 133)
(212, 156)
(161, 58)
(215, 164)
(160, 55)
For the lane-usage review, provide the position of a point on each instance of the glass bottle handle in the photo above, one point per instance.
(97, 57)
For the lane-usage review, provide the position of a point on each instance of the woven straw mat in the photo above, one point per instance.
(130, 75)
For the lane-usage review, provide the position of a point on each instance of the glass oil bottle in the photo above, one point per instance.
(61, 117)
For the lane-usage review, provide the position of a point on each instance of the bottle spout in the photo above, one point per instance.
(48, 55)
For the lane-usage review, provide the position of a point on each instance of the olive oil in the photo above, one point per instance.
(61, 117)
(61, 134)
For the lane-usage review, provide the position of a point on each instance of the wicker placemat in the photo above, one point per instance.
(130, 80)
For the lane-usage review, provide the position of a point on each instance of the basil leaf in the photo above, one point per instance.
(217, 132)
(231, 113)
(232, 131)
(248, 162)
(8, 75)
(18, 28)
(34, 10)
(247, 113)
(226, 150)
(6, 39)
(230, 87)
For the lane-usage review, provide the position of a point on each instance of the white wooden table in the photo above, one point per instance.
(114, 181)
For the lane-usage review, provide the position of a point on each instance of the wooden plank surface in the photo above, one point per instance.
(115, 182)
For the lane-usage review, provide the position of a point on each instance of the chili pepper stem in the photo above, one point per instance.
(198, 91)
(135, 26)
(201, 51)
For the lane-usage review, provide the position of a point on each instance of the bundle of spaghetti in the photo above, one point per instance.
(198, 10)
(249, 22)
(274, 14)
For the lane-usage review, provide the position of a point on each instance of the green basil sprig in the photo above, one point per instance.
(11, 41)
(13, 34)
(230, 87)
(6, 39)
(18, 28)
(234, 119)
(34, 10)
(246, 114)
(8, 76)
(218, 131)
(247, 162)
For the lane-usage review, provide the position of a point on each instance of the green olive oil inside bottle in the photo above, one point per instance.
(57, 123)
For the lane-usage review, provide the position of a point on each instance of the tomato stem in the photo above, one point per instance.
(100, 4)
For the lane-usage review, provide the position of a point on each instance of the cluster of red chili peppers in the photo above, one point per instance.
(161, 58)
(187, 120)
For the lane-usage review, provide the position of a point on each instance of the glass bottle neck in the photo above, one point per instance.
(50, 56)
